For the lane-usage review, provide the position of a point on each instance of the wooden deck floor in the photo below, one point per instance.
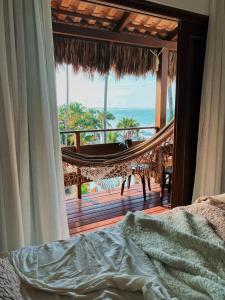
(103, 209)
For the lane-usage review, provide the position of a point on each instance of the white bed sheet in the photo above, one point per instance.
(111, 252)
(100, 265)
(109, 294)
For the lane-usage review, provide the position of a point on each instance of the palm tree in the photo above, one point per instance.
(127, 122)
(113, 137)
(69, 118)
(101, 118)
(78, 117)
(104, 118)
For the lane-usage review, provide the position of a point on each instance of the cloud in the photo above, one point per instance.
(127, 92)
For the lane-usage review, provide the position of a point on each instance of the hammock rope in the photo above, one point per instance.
(147, 158)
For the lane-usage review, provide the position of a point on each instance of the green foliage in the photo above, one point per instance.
(80, 117)
(127, 122)
(113, 137)
(84, 189)
(109, 117)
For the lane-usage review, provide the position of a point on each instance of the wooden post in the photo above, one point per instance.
(77, 141)
(67, 103)
(161, 90)
(77, 145)
(79, 195)
(105, 107)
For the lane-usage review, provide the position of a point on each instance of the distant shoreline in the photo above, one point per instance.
(127, 108)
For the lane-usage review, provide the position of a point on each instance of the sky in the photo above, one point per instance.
(128, 92)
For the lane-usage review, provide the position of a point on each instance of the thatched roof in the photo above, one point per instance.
(172, 68)
(92, 56)
(99, 38)
(84, 13)
(96, 56)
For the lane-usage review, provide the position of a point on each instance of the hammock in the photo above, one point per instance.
(146, 158)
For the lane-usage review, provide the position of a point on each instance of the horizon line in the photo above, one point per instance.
(101, 107)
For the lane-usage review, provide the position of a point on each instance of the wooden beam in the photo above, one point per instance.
(172, 35)
(161, 90)
(122, 22)
(162, 31)
(77, 145)
(154, 9)
(71, 31)
(56, 11)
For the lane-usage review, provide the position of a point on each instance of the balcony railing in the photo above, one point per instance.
(128, 133)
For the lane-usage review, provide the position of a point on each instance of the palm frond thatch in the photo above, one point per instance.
(100, 56)
(172, 68)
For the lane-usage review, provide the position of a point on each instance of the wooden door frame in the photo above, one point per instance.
(191, 31)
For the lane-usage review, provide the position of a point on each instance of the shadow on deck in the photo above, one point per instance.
(103, 209)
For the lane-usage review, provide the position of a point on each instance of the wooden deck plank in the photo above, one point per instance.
(103, 209)
(114, 205)
(95, 216)
(123, 199)
(116, 192)
(111, 222)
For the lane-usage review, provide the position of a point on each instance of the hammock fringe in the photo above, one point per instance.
(147, 158)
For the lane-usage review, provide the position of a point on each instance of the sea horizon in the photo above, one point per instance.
(125, 107)
(144, 116)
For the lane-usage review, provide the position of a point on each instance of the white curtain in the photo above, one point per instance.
(210, 169)
(32, 208)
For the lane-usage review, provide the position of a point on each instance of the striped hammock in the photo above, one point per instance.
(147, 158)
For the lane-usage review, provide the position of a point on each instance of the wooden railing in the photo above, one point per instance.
(77, 133)
(92, 149)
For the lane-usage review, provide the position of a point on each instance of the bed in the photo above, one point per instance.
(176, 255)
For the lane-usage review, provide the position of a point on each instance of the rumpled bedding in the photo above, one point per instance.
(102, 265)
(212, 208)
(9, 281)
(176, 255)
(187, 254)
(170, 256)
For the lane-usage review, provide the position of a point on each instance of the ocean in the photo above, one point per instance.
(144, 116)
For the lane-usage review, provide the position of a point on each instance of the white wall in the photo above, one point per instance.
(198, 6)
